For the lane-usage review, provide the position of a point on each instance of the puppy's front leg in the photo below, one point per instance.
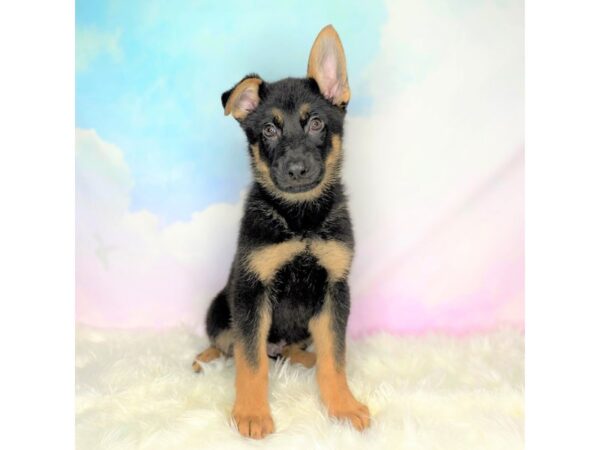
(251, 412)
(328, 330)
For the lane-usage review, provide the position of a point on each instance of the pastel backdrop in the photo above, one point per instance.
(433, 155)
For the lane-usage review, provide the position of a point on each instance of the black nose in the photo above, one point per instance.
(297, 169)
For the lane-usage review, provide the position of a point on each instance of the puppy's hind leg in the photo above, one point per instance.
(206, 356)
(218, 328)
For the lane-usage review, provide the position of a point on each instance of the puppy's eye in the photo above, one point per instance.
(315, 124)
(269, 130)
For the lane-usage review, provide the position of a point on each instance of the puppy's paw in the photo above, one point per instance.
(297, 356)
(354, 411)
(253, 424)
(206, 356)
(196, 366)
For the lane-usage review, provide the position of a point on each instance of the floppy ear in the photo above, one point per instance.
(243, 98)
(327, 65)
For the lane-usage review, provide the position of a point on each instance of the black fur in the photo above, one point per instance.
(298, 290)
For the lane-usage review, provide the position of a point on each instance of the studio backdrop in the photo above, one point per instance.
(433, 155)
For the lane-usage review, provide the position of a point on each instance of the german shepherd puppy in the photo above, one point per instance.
(288, 286)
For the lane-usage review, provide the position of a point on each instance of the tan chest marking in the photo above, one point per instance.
(334, 256)
(267, 260)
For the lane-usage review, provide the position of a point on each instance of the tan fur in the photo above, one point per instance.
(278, 116)
(251, 410)
(267, 260)
(334, 256)
(261, 170)
(304, 110)
(224, 341)
(332, 168)
(328, 36)
(207, 355)
(231, 107)
(331, 375)
(297, 355)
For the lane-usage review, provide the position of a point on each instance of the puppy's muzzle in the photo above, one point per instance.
(298, 172)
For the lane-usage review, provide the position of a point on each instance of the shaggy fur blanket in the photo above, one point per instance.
(137, 390)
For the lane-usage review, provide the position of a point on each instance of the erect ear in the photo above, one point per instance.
(327, 65)
(243, 98)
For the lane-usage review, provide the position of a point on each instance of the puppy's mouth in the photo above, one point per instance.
(296, 185)
(294, 189)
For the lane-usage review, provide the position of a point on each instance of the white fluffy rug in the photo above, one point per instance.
(136, 390)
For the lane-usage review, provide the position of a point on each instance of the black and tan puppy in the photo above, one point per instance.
(288, 282)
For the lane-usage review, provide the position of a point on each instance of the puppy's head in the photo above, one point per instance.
(294, 126)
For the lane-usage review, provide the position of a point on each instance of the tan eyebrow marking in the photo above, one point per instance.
(304, 110)
(278, 116)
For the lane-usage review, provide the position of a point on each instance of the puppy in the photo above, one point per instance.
(287, 286)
